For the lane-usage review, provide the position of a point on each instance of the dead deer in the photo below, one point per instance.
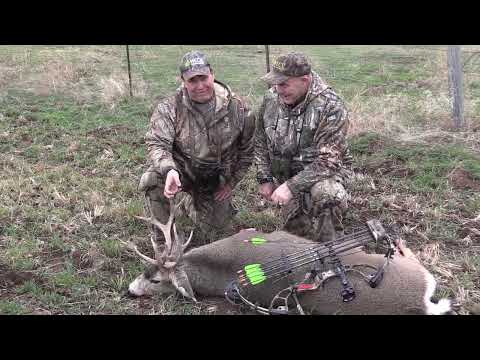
(406, 288)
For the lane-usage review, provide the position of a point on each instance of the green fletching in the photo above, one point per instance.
(257, 276)
(253, 276)
(252, 272)
(252, 266)
(257, 241)
(255, 273)
(258, 280)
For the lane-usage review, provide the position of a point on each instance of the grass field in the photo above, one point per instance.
(72, 152)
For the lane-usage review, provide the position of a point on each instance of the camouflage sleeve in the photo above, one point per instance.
(159, 139)
(329, 146)
(261, 153)
(245, 150)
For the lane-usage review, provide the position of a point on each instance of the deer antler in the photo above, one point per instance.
(188, 241)
(134, 247)
(173, 248)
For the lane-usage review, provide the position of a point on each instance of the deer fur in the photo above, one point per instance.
(407, 287)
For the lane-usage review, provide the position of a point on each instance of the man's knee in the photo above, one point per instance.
(149, 180)
(218, 214)
(329, 193)
(152, 184)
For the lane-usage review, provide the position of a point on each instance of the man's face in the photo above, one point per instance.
(200, 87)
(293, 90)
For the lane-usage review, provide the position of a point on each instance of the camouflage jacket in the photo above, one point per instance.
(179, 137)
(305, 144)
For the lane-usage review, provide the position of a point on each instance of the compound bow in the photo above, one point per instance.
(275, 270)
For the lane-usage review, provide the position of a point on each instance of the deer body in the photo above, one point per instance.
(406, 288)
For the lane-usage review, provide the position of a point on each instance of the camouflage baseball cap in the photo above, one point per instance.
(194, 63)
(286, 66)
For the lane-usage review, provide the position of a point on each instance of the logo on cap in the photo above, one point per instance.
(287, 66)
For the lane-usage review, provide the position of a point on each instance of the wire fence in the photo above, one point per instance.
(148, 71)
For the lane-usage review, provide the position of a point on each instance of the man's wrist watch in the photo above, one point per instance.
(265, 180)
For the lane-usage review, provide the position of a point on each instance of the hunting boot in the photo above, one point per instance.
(213, 219)
(328, 202)
(295, 215)
(326, 225)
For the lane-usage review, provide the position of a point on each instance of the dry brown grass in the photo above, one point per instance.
(8, 74)
(387, 114)
(381, 114)
(84, 74)
(115, 87)
(392, 113)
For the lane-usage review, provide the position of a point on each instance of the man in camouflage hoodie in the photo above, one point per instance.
(200, 145)
(301, 153)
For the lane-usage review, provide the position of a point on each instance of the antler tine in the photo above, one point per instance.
(173, 211)
(165, 228)
(135, 248)
(145, 257)
(156, 250)
(152, 220)
(179, 248)
(168, 227)
(171, 247)
(188, 241)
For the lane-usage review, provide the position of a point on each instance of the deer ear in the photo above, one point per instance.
(182, 284)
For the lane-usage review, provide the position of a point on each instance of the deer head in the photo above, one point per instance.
(165, 273)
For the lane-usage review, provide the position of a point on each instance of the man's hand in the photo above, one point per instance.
(404, 250)
(172, 184)
(282, 195)
(223, 193)
(266, 190)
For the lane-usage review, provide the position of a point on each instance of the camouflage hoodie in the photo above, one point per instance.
(305, 144)
(180, 137)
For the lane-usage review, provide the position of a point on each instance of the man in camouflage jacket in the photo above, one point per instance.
(301, 152)
(200, 145)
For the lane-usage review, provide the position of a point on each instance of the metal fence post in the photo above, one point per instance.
(455, 77)
(267, 55)
(129, 73)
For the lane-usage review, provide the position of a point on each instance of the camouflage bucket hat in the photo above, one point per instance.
(194, 63)
(287, 66)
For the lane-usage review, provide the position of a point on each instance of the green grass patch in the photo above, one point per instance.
(430, 164)
(65, 279)
(263, 221)
(111, 248)
(8, 307)
(472, 205)
(21, 256)
(31, 287)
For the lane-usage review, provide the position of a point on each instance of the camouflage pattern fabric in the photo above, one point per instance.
(207, 216)
(207, 151)
(306, 147)
(179, 137)
(286, 66)
(194, 63)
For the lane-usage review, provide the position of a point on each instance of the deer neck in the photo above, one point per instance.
(207, 275)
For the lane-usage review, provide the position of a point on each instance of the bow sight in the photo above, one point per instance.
(318, 255)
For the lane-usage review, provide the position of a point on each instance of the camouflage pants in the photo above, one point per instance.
(207, 216)
(317, 214)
